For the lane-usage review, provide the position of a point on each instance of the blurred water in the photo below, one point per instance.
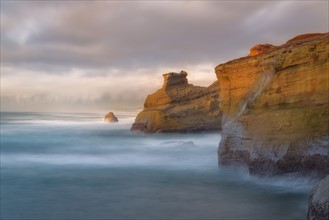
(74, 166)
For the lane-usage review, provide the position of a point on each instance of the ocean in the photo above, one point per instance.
(75, 166)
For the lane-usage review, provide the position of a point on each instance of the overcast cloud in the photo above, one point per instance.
(98, 56)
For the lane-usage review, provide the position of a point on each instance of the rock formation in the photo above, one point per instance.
(180, 107)
(305, 36)
(318, 202)
(276, 107)
(260, 49)
(110, 117)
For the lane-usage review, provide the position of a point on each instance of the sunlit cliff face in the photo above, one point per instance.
(94, 56)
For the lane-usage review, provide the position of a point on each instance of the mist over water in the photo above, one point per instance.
(60, 166)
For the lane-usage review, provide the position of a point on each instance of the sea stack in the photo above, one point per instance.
(180, 107)
(110, 117)
(275, 107)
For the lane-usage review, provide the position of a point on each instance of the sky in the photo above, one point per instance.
(98, 56)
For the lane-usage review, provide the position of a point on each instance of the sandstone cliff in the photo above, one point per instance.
(275, 107)
(180, 107)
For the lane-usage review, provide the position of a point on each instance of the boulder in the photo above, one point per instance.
(260, 49)
(318, 202)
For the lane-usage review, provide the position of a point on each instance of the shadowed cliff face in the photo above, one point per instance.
(275, 107)
(180, 107)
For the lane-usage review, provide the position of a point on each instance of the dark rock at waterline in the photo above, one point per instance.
(262, 166)
(318, 201)
(110, 117)
(139, 127)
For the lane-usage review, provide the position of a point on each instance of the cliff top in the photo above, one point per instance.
(262, 49)
(177, 89)
(174, 79)
(305, 37)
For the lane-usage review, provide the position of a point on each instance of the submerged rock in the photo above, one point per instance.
(318, 201)
(276, 108)
(180, 107)
(110, 117)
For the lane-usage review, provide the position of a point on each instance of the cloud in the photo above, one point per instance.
(85, 91)
(139, 34)
(130, 41)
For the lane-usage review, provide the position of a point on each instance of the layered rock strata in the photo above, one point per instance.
(275, 107)
(180, 107)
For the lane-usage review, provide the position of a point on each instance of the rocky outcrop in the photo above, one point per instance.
(180, 107)
(110, 117)
(260, 49)
(318, 201)
(275, 108)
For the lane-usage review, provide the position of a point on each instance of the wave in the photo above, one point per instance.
(285, 182)
(123, 160)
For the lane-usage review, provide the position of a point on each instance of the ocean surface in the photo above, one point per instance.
(75, 166)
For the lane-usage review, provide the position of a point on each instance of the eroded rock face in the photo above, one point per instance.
(275, 108)
(318, 201)
(180, 107)
(110, 117)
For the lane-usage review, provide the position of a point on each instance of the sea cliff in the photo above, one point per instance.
(275, 107)
(180, 107)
